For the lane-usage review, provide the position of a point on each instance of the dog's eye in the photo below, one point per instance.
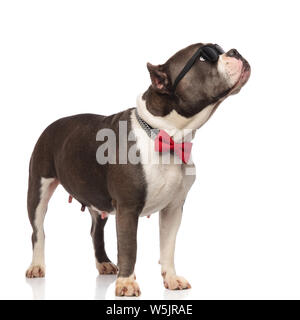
(202, 59)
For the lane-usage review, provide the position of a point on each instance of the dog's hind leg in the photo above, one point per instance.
(40, 191)
(103, 264)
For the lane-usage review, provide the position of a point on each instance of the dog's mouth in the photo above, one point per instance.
(244, 77)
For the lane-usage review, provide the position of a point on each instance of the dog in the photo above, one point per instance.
(184, 93)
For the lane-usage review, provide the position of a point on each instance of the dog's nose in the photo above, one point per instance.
(233, 53)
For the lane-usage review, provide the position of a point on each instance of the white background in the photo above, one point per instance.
(240, 237)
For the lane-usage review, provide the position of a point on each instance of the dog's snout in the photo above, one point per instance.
(233, 53)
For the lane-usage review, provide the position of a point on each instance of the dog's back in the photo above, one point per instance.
(54, 138)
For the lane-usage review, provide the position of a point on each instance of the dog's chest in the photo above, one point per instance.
(164, 182)
(163, 177)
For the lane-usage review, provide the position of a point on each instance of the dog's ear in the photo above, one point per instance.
(159, 78)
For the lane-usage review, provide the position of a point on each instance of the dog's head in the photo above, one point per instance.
(198, 76)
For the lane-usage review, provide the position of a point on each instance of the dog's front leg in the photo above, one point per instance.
(127, 222)
(169, 222)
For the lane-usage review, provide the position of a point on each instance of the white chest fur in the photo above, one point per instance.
(165, 182)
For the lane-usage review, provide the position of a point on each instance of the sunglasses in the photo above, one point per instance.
(210, 52)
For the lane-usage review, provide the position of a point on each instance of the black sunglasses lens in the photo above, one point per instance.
(219, 49)
(209, 54)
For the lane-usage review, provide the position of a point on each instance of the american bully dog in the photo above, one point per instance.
(136, 162)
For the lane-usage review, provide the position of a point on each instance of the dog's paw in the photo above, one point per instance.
(106, 268)
(37, 271)
(174, 282)
(127, 287)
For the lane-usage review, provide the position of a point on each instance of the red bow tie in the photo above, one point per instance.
(163, 143)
